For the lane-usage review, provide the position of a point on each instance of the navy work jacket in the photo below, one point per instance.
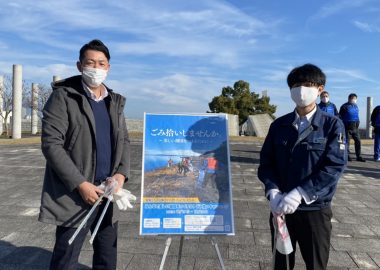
(313, 160)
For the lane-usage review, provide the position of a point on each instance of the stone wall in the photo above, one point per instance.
(134, 125)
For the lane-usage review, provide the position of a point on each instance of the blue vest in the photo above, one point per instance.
(352, 113)
(327, 107)
(103, 140)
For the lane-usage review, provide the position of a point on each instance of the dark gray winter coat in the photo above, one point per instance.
(69, 146)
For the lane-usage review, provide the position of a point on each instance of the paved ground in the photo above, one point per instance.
(27, 244)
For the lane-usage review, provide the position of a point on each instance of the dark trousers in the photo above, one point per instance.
(65, 256)
(376, 145)
(312, 231)
(353, 131)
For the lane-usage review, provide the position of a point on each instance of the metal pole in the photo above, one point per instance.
(215, 244)
(167, 246)
(16, 101)
(369, 111)
(180, 252)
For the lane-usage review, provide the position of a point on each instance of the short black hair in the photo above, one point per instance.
(324, 92)
(307, 73)
(95, 45)
(352, 95)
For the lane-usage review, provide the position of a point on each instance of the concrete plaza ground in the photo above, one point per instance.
(27, 244)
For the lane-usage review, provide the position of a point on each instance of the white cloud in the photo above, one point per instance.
(338, 6)
(338, 50)
(337, 75)
(212, 31)
(41, 73)
(366, 27)
(174, 93)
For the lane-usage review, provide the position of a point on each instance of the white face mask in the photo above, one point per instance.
(353, 101)
(325, 99)
(94, 76)
(304, 96)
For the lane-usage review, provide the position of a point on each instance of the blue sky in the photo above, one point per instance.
(174, 56)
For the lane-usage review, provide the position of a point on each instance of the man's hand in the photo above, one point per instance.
(89, 192)
(290, 202)
(120, 181)
(275, 197)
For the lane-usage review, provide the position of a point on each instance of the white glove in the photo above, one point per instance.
(290, 202)
(108, 187)
(123, 199)
(275, 196)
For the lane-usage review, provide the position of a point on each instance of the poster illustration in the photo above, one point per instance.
(186, 185)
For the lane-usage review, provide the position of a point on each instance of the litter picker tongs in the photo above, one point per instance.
(107, 193)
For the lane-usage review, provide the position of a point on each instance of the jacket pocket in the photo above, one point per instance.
(315, 146)
(73, 138)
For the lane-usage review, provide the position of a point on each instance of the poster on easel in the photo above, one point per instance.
(186, 176)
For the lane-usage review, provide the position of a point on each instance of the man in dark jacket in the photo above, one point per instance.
(349, 113)
(301, 161)
(84, 141)
(326, 105)
(375, 122)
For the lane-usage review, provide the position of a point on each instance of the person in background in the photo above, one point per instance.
(349, 113)
(375, 122)
(301, 161)
(84, 140)
(325, 104)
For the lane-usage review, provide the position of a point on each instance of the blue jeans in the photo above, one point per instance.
(376, 146)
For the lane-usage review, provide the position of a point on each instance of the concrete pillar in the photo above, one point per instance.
(34, 108)
(369, 111)
(56, 78)
(16, 101)
(233, 125)
(1, 103)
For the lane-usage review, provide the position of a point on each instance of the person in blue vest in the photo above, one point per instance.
(375, 122)
(326, 105)
(349, 113)
(210, 165)
(84, 140)
(301, 161)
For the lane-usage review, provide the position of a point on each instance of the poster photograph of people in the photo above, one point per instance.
(186, 175)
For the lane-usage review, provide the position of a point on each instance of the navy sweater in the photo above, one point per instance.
(103, 140)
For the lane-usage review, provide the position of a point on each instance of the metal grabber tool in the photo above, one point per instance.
(84, 221)
(100, 219)
(109, 188)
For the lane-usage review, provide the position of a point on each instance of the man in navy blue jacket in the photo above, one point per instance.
(349, 113)
(375, 122)
(301, 161)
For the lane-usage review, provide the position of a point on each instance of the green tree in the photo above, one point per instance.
(241, 101)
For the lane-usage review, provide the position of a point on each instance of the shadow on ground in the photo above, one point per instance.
(26, 258)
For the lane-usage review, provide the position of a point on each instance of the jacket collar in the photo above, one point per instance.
(315, 121)
(74, 85)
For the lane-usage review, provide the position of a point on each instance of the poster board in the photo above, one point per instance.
(186, 176)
